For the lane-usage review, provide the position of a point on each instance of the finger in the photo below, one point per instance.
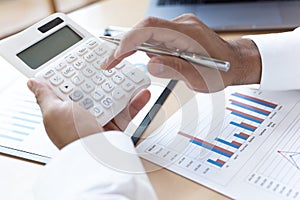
(170, 67)
(144, 32)
(187, 17)
(136, 104)
(198, 78)
(113, 61)
(44, 95)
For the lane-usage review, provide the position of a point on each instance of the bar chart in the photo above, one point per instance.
(250, 144)
(244, 114)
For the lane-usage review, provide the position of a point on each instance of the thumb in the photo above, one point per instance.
(43, 93)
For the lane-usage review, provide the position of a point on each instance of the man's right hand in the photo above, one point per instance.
(187, 33)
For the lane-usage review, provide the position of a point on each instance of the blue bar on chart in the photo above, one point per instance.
(244, 125)
(250, 108)
(207, 145)
(233, 144)
(242, 136)
(255, 100)
(218, 162)
(245, 115)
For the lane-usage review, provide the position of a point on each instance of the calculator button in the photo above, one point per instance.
(82, 51)
(78, 79)
(97, 64)
(109, 72)
(76, 95)
(107, 86)
(107, 102)
(118, 94)
(118, 78)
(92, 44)
(66, 88)
(88, 72)
(60, 66)
(68, 72)
(56, 80)
(97, 111)
(120, 66)
(87, 103)
(79, 64)
(49, 73)
(90, 57)
(87, 86)
(128, 86)
(97, 95)
(98, 79)
(100, 51)
(71, 58)
(135, 75)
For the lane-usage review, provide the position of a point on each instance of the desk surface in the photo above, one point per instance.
(96, 17)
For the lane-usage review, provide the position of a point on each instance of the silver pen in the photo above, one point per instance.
(190, 57)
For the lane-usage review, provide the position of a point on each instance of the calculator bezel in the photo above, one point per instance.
(11, 46)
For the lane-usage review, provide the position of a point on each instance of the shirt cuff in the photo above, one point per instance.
(103, 165)
(280, 59)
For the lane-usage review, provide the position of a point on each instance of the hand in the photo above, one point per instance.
(188, 33)
(66, 121)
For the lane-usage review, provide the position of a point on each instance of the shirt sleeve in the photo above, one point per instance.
(280, 54)
(100, 166)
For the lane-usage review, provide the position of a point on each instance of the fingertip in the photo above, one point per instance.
(117, 52)
(33, 84)
(156, 66)
(139, 101)
(30, 84)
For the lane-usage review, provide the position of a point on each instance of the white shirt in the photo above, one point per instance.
(280, 56)
(105, 165)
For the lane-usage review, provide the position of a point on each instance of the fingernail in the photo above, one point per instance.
(159, 69)
(117, 53)
(157, 66)
(103, 65)
(31, 84)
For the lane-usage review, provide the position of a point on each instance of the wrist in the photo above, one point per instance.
(246, 62)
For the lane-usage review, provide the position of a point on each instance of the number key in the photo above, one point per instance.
(107, 86)
(98, 79)
(76, 95)
(88, 72)
(87, 103)
(97, 111)
(78, 79)
(87, 87)
(107, 102)
(118, 78)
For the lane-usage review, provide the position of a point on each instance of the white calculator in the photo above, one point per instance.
(68, 58)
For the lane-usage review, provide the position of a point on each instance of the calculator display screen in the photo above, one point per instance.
(49, 47)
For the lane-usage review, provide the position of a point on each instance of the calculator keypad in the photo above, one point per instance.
(105, 93)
